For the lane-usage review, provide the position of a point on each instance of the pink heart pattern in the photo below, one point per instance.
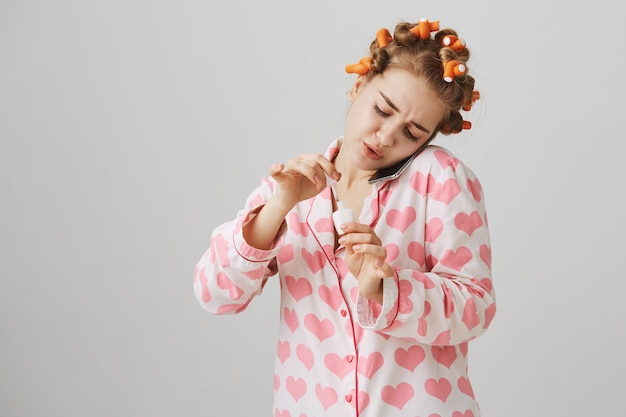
(339, 353)
(470, 314)
(465, 386)
(281, 413)
(456, 259)
(326, 395)
(467, 413)
(475, 189)
(434, 228)
(363, 399)
(446, 160)
(291, 318)
(392, 252)
(410, 358)
(296, 387)
(331, 296)
(468, 222)
(286, 254)
(438, 388)
(397, 396)
(368, 365)
(401, 220)
(298, 287)
(299, 228)
(416, 252)
(283, 350)
(315, 260)
(445, 355)
(201, 279)
(445, 192)
(337, 365)
(322, 329)
(220, 248)
(225, 283)
(306, 356)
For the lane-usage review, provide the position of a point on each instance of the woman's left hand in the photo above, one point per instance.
(365, 258)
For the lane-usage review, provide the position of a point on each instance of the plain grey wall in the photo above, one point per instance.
(129, 129)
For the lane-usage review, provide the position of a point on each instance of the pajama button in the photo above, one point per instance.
(349, 358)
(344, 313)
(349, 398)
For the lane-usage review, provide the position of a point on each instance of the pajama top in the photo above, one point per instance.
(339, 354)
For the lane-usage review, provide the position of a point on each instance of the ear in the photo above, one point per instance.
(358, 84)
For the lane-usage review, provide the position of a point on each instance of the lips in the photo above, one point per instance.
(371, 152)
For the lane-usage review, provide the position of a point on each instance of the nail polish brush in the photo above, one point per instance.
(343, 214)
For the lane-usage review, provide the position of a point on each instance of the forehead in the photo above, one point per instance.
(408, 91)
(403, 80)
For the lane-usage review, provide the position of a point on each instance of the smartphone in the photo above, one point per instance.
(394, 171)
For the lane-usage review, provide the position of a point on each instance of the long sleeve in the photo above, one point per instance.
(441, 293)
(231, 272)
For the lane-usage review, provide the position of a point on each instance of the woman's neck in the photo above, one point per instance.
(353, 187)
(350, 176)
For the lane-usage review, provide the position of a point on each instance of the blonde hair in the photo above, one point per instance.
(425, 58)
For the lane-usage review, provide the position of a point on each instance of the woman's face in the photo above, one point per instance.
(391, 116)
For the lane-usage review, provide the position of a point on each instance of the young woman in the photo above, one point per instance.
(376, 315)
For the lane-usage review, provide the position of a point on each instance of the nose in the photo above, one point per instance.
(385, 135)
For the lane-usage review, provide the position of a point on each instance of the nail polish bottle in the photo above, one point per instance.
(342, 215)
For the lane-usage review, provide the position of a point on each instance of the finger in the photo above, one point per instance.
(376, 251)
(355, 227)
(307, 168)
(355, 238)
(328, 167)
(276, 169)
(384, 270)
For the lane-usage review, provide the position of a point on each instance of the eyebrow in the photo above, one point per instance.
(393, 106)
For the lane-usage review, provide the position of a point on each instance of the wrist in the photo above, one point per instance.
(373, 291)
(277, 208)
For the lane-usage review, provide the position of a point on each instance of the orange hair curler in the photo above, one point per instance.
(361, 68)
(464, 126)
(453, 69)
(423, 28)
(467, 106)
(445, 129)
(453, 42)
(383, 37)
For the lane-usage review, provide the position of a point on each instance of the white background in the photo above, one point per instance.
(129, 129)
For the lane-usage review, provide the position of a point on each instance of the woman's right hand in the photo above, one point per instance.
(300, 179)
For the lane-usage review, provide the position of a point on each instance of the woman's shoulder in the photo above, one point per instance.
(440, 162)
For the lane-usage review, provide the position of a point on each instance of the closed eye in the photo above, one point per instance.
(410, 135)
(380, 112)
(393, 106)
(407, 131)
